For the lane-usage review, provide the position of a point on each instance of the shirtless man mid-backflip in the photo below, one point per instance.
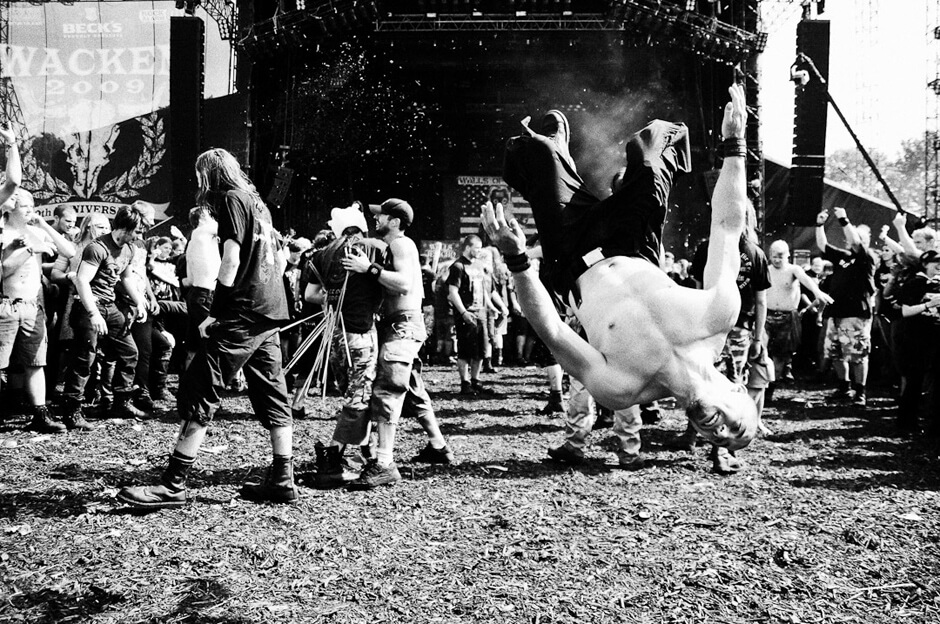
(648, 338)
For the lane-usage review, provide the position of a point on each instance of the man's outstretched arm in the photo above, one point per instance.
(729, 200)
(574, 354)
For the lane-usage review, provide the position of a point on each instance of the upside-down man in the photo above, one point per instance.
(648, 338)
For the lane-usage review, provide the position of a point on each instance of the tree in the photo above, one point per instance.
(905, 173)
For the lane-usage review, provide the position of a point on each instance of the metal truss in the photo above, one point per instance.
(651, 22)
(225, 14)
(450, 23)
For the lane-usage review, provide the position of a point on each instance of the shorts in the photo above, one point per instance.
(198, 302)
(733, 359)
(472, 339)
(784, 332)
(848, 339)
(23, 332)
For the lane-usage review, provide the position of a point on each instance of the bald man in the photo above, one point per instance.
(648, 338)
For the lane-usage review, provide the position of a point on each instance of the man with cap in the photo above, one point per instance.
(355, 343)
(398, 382)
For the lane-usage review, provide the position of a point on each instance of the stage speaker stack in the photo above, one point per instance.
(809, 126)
(187, 74)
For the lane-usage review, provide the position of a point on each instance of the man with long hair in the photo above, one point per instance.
(241, 333)
(649, 337)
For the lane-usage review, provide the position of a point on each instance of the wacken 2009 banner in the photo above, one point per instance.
(91, 83)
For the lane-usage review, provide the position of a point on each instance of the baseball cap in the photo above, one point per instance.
(931, 255)
(395, 208)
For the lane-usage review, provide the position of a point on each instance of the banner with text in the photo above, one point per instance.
(91, 80)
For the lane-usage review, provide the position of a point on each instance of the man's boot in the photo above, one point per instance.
(43, 421)
(75, 418)
(142, 399)
(331, 473)
(171, 492)
(278, 485)
(555, 405)
(124, 407)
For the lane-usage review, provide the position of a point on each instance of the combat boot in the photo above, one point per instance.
(170, 492)
(124, 407)
(332, 471)
(44, 422)
(277, 486)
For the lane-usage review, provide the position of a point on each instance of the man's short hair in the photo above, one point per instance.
(128, 218)
(779, 245)
(469, 240)
(61, 210)
(197, 214)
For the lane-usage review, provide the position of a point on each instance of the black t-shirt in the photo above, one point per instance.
(914, 291)
(468, 282)
(258, 289)
(753, 277)
(852, 282)
(111, 261)
(363, 292)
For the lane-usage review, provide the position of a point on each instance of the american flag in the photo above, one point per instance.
(476, 190)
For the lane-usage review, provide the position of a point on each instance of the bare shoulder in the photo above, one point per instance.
(403, 245)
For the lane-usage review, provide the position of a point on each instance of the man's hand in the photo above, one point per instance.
(899, 221)
(8, 136)
(140, 314)
(754, 351)
(822, 217)
(508, 237)
(735, 119)
(824, 298)
(98, 323)
(839, 212)
(204, 327)
(355, 260)
(884, 232)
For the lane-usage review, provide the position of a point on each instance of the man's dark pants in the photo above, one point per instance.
(232, 345)
(118, 344)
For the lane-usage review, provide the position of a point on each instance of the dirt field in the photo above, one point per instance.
(834, 520)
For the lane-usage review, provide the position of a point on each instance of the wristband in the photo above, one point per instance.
(732, 148)
(221, 300)
(517, 263)
(843, 221)
(374, 270)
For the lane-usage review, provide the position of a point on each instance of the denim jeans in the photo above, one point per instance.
(117, 344)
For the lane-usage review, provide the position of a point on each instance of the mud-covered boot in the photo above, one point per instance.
(124, 407)
(331, 471)
(43, 421)
(170, 492)
(277, 486)
(74, 418)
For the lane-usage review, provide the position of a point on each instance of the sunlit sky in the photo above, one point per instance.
(879, 63)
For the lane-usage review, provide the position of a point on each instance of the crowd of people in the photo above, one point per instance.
(100, 313)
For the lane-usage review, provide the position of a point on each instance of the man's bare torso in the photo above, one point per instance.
(203, 259)
(405, 256)
(784, 291)
(651, 331)
(26, 281)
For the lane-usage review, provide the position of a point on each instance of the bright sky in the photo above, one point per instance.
(879, 64)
